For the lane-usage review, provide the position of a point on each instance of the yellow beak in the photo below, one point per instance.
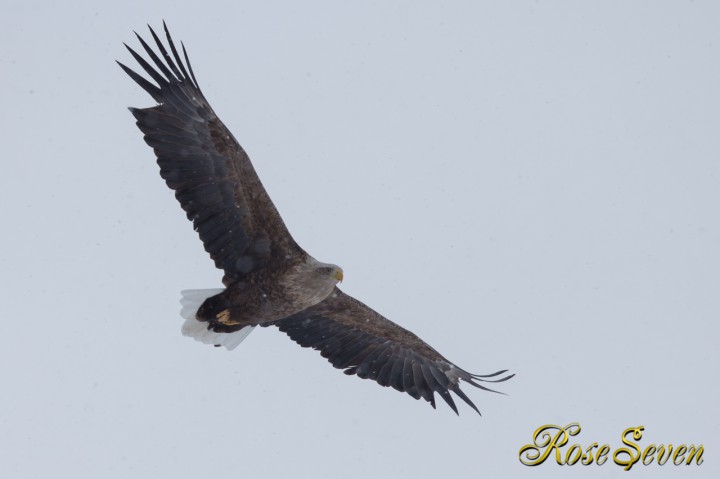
(339, 275)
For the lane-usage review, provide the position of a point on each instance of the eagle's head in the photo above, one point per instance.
(331, 271)
(311, 281)
(320, 273)
(324, 277)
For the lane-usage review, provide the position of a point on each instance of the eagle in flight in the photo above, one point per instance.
(269, 280)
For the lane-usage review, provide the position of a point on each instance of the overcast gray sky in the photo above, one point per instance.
(525, 185)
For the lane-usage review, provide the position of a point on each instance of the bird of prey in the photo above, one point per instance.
(269, 280)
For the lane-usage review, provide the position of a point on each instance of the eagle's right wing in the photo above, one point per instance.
(357, 339)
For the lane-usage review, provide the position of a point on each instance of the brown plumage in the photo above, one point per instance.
(269, 279)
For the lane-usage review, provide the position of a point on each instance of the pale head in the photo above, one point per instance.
(312, 281)
(331, 274)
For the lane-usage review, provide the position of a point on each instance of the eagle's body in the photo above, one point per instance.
(269, 279)
(269, 294)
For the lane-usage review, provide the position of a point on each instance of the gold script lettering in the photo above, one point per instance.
(631, 459)
(692, 453)
(544, 442)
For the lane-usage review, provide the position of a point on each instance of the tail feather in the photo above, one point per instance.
(191, 301)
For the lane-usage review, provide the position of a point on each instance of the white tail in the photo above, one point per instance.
(191, 301)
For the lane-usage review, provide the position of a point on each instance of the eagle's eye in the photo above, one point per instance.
(322, 270)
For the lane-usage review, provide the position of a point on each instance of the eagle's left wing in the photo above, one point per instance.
(357, 339)
(211, 174)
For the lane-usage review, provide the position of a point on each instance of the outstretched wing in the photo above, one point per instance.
(357, 339)
(211, 174)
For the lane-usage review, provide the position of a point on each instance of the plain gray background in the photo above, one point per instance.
(526, 185)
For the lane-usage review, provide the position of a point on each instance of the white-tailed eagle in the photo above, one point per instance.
(269, 280)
